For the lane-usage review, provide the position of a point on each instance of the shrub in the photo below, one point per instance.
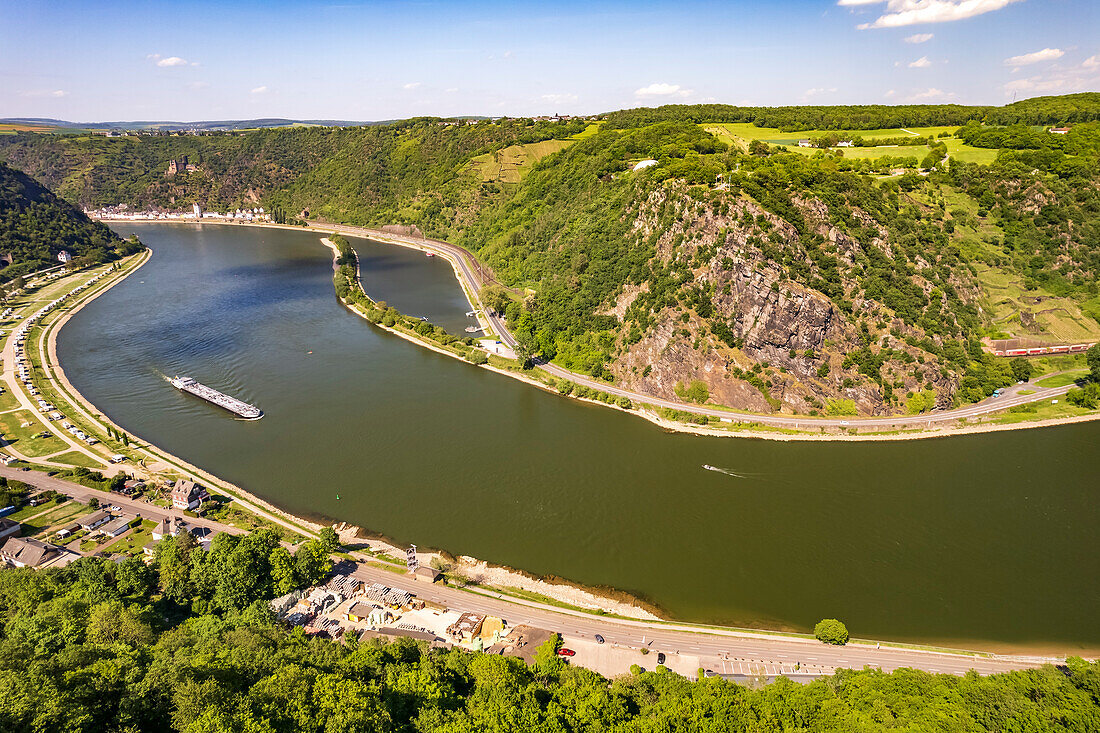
(831, 631)
(477, 357)
(840, 407)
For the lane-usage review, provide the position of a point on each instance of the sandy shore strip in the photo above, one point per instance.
(641, 408)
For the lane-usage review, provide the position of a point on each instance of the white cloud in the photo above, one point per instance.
(901, 13)
(197, 85)
(1060, 79)
(558, 98)
(411, 85)
(818, 90)
(1047, 54)
(919, 38)
(660, 89)
(55, 93)
(171, 61)
(932, 94)
(921, 63)
(1036, 84)
(452, 90)
(259, 90)
(890, 93)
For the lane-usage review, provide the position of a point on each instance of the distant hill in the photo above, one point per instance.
(35, 225)
(166, 125)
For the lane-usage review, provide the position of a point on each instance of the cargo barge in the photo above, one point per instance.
(241, 409)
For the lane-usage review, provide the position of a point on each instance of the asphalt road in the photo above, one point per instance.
(471, 272)
(126, 504)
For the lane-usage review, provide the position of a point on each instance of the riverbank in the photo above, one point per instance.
(724, 422)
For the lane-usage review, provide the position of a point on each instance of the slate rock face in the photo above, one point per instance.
(790, 339)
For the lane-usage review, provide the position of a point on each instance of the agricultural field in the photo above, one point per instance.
(511, 164)
(961, 151)
(741, 134)
(1017, 312)
(10, 128)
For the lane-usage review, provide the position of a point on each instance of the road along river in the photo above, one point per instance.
(983, 541)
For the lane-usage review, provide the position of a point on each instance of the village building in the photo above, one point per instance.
(169, 527)
(94, 520)
(187, 496)
(8, 527)
(427, 574)
(116, 527)
(27, 552)
(467, 627)
(359, 612)
(1059, 130)
(63, 256)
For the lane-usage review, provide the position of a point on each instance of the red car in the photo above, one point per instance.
(566, 652)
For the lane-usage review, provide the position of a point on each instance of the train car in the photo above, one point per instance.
(1036, 352)
(1016, 352)
(1059, 349)
(1078, 347)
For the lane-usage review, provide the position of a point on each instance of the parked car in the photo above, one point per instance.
(599, 639)
(660, 657)
(566, 652)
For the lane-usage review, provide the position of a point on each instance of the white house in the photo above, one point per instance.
(63, 256)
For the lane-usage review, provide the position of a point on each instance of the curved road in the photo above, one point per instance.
(472, 273)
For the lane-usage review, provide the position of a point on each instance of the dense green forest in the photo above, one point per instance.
(804, 282)
(35, 225)
(188, 644)
(1070, 108)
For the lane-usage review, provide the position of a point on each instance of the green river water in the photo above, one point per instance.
(985, 540)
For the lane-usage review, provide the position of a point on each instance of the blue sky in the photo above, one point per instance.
(354, 60)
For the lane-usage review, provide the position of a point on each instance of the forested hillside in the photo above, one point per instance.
(858, 280)
(189, 644)
(35, 225)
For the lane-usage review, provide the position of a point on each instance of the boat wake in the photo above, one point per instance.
(725, 471)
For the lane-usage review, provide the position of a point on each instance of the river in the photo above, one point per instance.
(984, 540)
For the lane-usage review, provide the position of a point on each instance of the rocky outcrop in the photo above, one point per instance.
(766, 342)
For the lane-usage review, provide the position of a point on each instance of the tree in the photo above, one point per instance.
(523, 355)
(495, 298)
(173, 561)
(135, 578)
(284, 573)
(831, 631)
(1092, 356)
(1021, 369)
(330, 541)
